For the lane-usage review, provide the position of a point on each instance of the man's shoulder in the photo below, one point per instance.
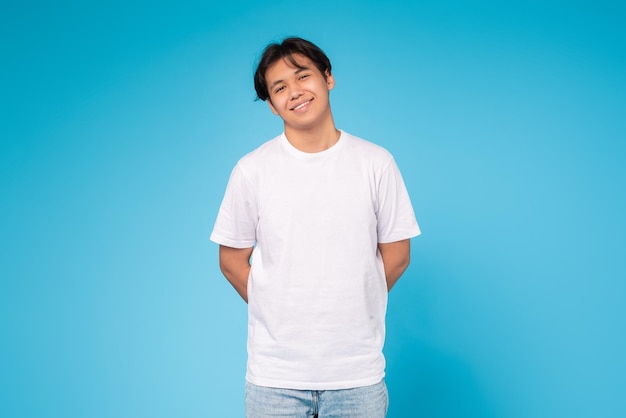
(367, 148)
(262, 153)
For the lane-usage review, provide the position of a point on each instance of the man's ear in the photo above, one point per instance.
(272, 108)
(330, 80)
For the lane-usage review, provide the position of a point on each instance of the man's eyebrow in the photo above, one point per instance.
(298, 71)
(275, 83)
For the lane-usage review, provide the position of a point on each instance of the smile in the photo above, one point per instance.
(301, 105)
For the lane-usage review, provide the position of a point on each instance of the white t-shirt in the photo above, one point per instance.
(317, 292)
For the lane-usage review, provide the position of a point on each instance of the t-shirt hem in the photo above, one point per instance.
(218, 239)
(344, 384)
(399, 237)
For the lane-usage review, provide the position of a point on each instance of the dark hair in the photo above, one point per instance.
(286, 49)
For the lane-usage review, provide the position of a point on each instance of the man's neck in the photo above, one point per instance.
(316, 139)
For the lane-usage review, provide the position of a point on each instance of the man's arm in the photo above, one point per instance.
(235, 265)
(396, 257)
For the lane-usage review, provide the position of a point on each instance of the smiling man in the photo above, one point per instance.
(314, 230)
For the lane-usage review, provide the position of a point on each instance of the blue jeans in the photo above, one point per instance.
(363, 402)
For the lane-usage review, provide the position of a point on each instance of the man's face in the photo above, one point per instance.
(299, 95)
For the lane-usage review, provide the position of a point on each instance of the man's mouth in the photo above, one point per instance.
(301, 105)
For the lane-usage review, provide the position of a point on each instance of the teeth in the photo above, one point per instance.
(301, 105)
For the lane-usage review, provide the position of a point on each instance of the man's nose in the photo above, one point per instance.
(295, 92)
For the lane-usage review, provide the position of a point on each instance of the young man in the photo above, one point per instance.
(314, 231)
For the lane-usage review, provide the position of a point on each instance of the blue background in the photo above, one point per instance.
(120, 123)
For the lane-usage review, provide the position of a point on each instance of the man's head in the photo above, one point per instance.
(286, 50)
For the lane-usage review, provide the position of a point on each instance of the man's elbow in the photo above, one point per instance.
(404, 262)
(225, 266)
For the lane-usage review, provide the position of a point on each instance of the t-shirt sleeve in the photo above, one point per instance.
(395, 217)
(238, 216)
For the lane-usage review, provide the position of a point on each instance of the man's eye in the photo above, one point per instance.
(303, 76)
(278, 90)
